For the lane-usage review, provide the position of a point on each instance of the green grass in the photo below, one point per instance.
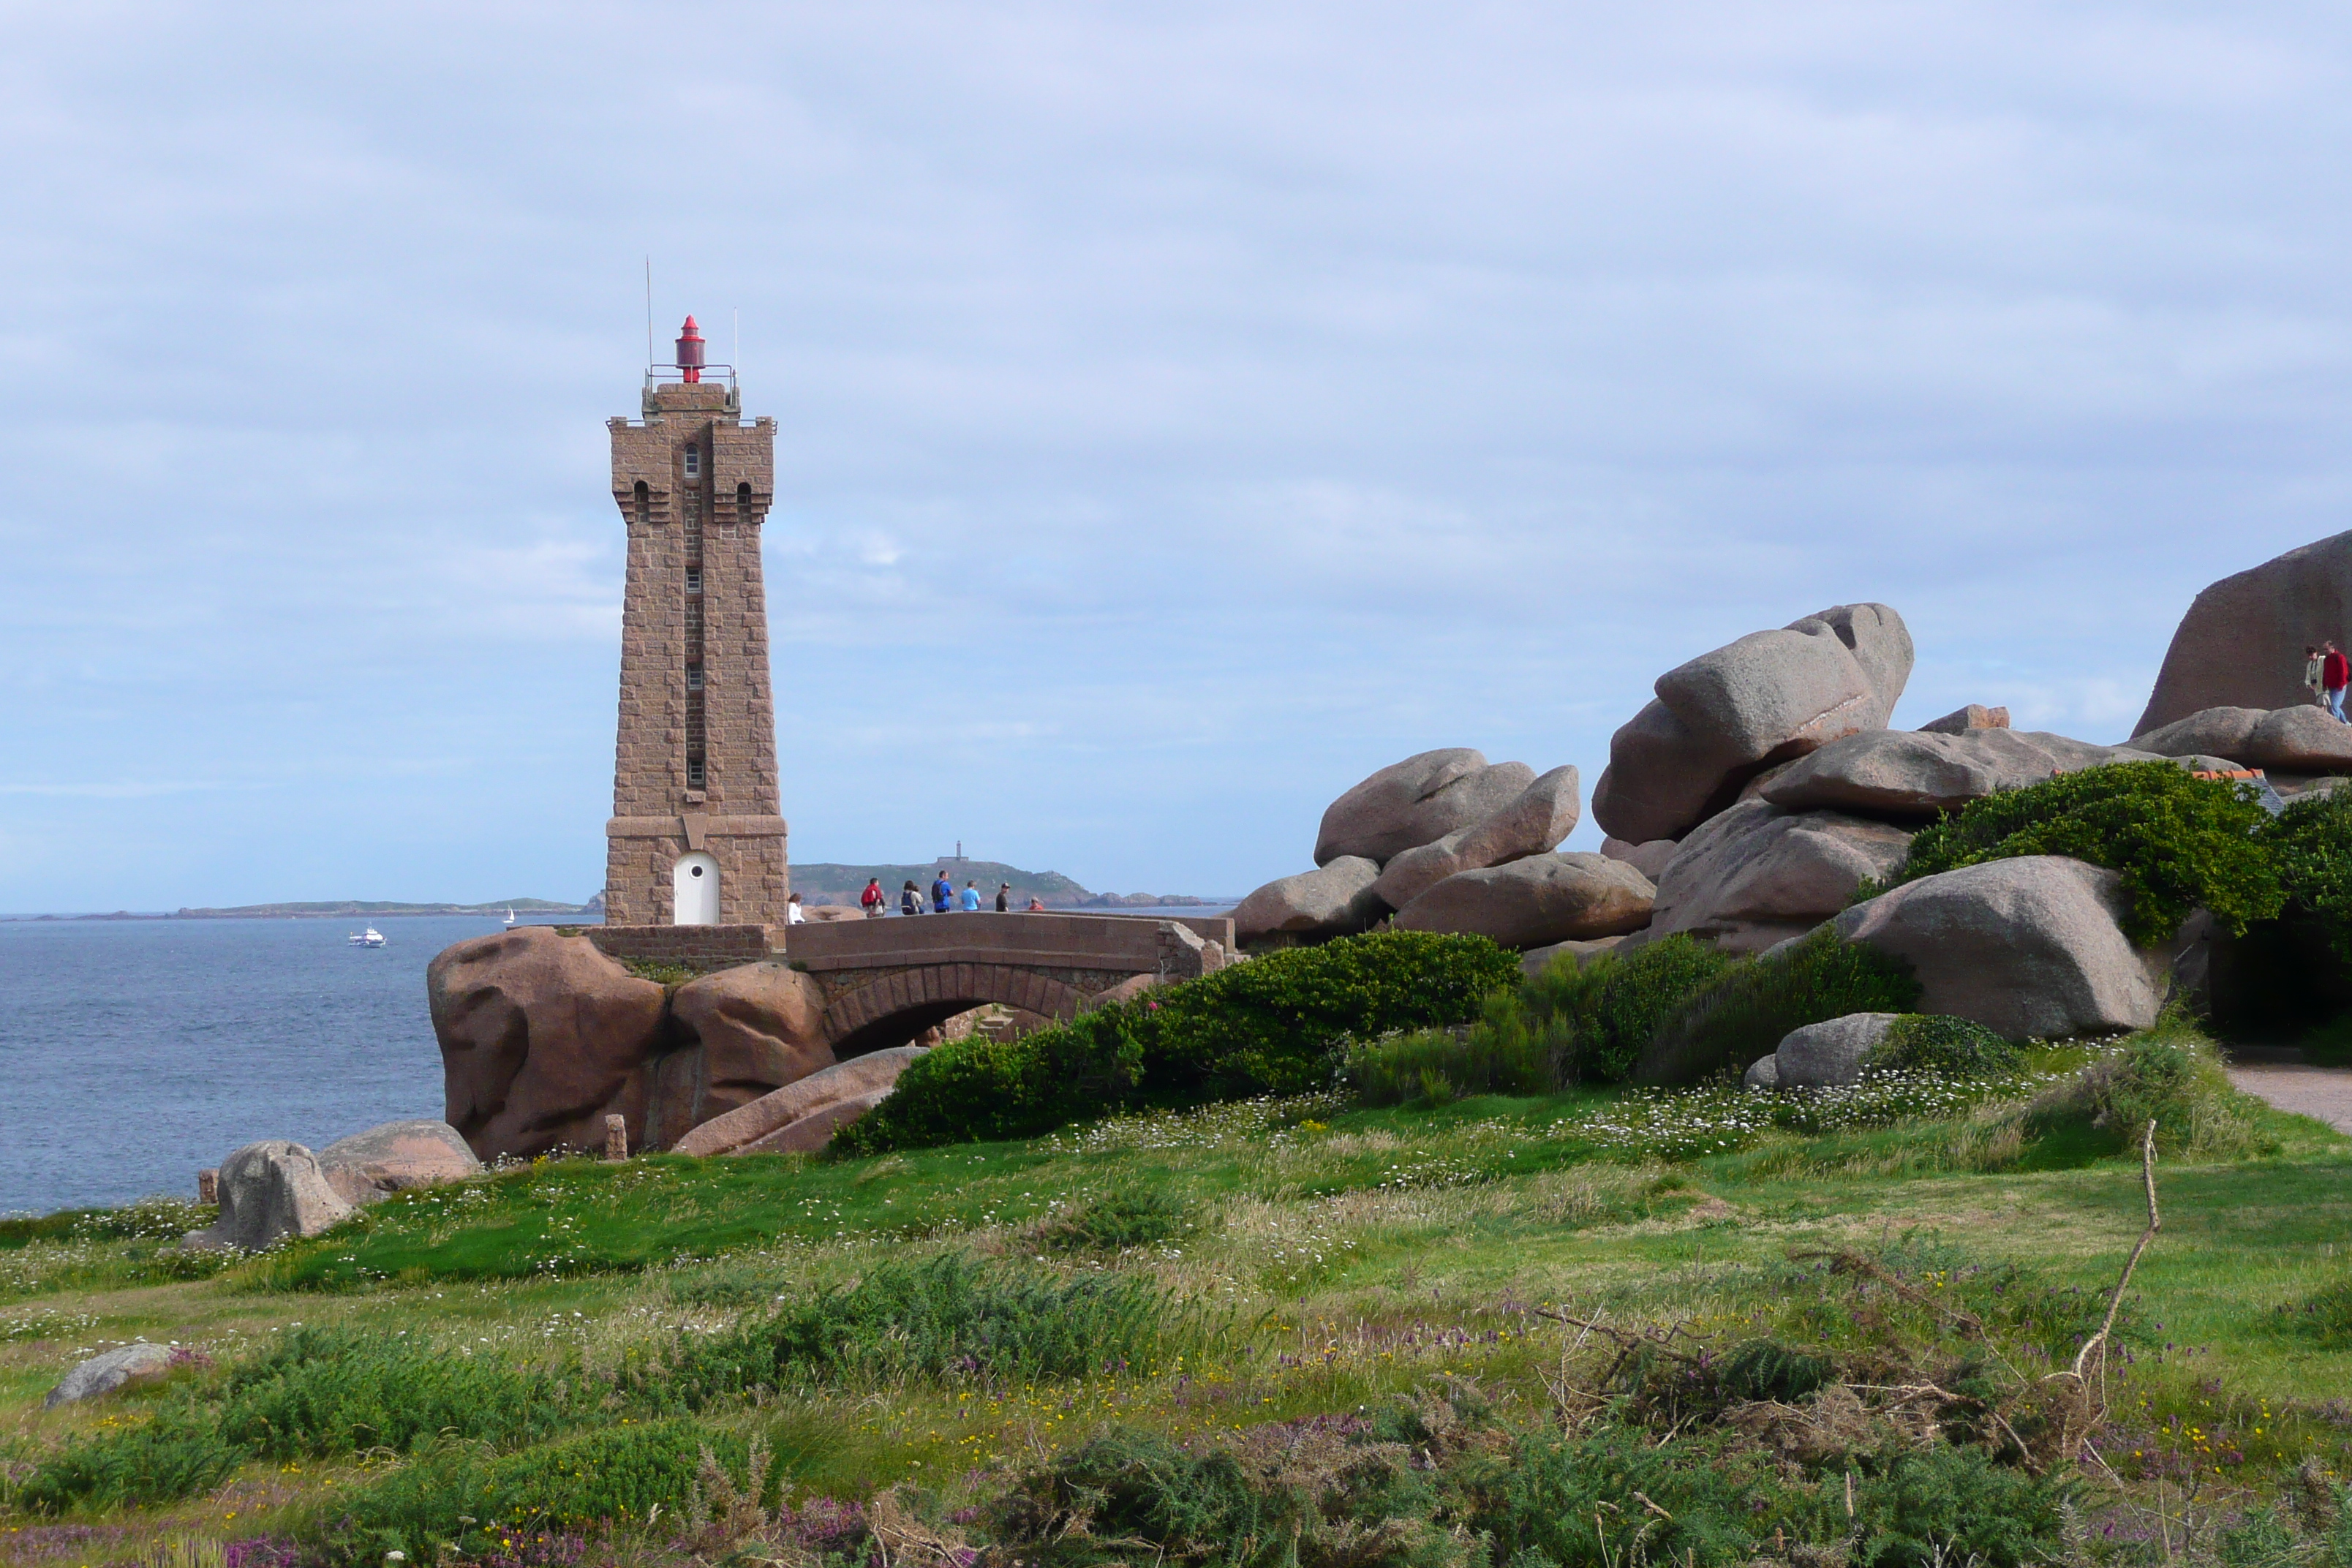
(964, 1333)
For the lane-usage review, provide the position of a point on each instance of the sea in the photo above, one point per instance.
(133, 1052)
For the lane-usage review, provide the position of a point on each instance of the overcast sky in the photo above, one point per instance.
(1181, 410)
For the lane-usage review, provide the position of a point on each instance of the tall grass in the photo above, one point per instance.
(951, 1317)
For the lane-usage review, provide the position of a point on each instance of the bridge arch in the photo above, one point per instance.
(893, 1010)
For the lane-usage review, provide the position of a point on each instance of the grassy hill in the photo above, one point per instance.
(1599, 1326)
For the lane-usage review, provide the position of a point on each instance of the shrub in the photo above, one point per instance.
(2181, 843)
(1276, 1024)
(1132, 1216)
(1932, 1042)
(2169, 1075)
(1611, 1007)
(322, 1391)
(1748, 1007)
(2311, 843)
(179, 1453)
(1140, 1492)
(950, 1315)
(479, 1503)
(1508, 1051)
(315, 1393)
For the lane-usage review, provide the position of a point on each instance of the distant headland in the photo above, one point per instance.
(817, 883)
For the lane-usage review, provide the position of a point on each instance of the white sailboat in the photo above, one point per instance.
(511, 920)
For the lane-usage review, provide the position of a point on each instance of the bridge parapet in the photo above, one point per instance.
(1126, 944)
(885, 978)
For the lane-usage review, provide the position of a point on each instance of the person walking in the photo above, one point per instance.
(1003, 897)
(873, 900)
(792, 912)
(970, 898)
(2336, 674)
(942, 893)
(1036, 905)
(2311, 664)
(911, 899)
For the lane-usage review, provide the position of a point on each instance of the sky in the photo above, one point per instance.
(1181, 411)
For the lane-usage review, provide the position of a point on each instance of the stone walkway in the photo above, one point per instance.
(2324, 1093)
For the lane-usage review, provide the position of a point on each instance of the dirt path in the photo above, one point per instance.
(2324, 1093)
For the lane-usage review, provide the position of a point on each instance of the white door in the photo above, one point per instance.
(694, 890)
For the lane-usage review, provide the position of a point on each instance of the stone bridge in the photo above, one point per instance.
(886, 981)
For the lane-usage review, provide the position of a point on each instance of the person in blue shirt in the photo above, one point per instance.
(943, 894)
(970, 898)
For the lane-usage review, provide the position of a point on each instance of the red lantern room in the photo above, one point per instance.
(689, 351)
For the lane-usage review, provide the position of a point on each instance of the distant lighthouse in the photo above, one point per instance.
(696, 835)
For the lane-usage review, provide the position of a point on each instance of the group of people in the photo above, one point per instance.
(944, 899)
(2326, 672)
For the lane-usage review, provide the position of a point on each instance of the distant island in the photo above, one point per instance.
(818, 882)
(350, 909)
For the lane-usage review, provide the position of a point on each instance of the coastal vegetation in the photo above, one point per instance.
(1574, 1323)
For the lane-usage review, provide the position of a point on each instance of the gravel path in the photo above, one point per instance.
(2324, 1093)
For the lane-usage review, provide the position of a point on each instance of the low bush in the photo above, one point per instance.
(319, 1392)
(2181, 843)
(1276, 1024)
(1611, 1007)
(2169, 1075)
(316, 1393)
(1508, 1051)
(1933, 1042)
(1744, 1011)
(480, 1504)
(178, 1454)
(1572, 1023)
(1132, 1216)
(951, 1316)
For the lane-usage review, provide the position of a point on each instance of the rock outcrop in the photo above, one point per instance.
(1758, 874)
(269, 1190)
(1335, 899)
(1538, 901)
(368, 1166)
(1415, 802)
(541, 1036)
(1911, 773)
(756, 1027)
(800, 1117)
(2303, 738)
(138, 1361)
(1824, 1054)
(1534, 821)
(2028, 947)
(1960, 721)
(1650, 860)
(1726, 715)
(2241, 645)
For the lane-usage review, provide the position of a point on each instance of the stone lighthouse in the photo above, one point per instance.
(696, 837)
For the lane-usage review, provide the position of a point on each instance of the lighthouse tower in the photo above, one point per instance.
(696, 837)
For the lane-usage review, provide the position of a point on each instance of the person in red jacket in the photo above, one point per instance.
(2336, 674)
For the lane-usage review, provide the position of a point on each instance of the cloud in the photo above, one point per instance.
(1180, 413)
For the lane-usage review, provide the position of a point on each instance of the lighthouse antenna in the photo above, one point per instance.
(649, 308)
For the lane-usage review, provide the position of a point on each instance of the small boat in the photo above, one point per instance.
(368, 938)
(510, 914)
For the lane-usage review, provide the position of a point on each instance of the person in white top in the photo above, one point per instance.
(793, 916)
